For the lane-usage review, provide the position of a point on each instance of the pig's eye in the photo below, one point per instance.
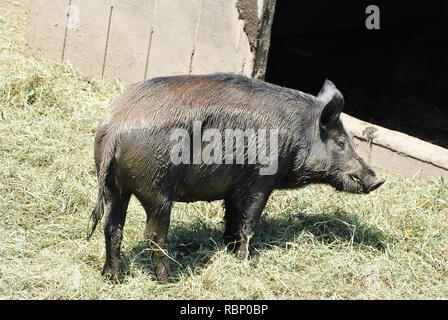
(340, 144)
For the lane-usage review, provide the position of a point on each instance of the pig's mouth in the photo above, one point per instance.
(352, 184)
(359, 186)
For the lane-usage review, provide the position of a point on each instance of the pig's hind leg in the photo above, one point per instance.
(116, 204)
(158, 211)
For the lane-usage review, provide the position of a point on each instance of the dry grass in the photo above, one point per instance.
(313, 243)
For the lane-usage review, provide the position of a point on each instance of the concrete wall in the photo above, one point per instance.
(132, 40)
(396, 152)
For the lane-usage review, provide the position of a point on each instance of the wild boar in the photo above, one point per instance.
(147, 145)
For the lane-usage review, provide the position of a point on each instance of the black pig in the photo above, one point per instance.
(133, 154)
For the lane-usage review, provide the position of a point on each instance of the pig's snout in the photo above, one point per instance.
(375, 185)
(370, 181)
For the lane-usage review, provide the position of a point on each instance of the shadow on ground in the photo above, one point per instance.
(192, 245)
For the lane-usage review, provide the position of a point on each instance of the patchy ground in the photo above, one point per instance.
(313, 243)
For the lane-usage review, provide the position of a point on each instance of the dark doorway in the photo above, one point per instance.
(395, 77)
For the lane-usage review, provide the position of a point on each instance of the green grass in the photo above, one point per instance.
(313, 243)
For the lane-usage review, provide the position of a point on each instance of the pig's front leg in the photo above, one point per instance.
(242, 215)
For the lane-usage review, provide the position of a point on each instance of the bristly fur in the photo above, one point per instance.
(132, 154)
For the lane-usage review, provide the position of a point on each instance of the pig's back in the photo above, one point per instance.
(219, 100)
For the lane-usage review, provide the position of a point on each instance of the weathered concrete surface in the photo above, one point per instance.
(127, 54)
(258, 17)
(264, 38)
(218, 38)
(248, 12)
(132, 40)
(87, 36)
(173, 38)
(47, 22)
(396, 152)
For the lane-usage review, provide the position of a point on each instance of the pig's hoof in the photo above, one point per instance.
(242, 253)
(231, 242)
(162, 271)
(111, 275)
(165, 278)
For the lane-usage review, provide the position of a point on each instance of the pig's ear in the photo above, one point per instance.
(333, 102)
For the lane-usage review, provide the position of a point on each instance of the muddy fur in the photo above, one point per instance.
(132, 154)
